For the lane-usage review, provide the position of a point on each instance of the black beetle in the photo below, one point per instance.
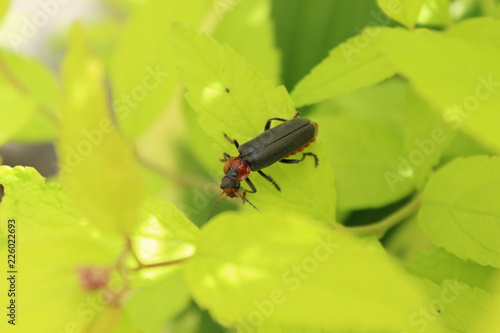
(271, 146)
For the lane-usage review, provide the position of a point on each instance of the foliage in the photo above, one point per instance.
(405, 94)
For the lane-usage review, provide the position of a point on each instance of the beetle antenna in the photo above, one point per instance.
(220, 196)
(215, 205)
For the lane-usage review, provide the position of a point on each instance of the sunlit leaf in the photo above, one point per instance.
(405, 12)
(460, 210)
(46, 222)
(248, 29)
(350, 66)
(4, 6)
(164, 232)
(489, 320)
(144, 78)
(383, 142)
(25, 189)
(15, 112)
(483, 30)
(289, 271)
(438, 265)
(152, 307)
(239, 106)
(307, 30)
(455, 307)
(35, 88)
(53, 245)
(435, 13)
(98, 165)
(464, 89)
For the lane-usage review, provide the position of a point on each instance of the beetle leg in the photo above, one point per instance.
(269, 179)
(293, 161)
(244, 194)
(233, 141)
(252, 186)
(268, 123)
(225, 158)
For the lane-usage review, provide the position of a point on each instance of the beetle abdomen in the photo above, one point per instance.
(278, 142)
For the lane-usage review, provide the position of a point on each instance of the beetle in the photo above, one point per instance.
(273, 145)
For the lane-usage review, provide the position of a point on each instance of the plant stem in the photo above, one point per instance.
(379, 228)
(140, 265)
(161, 264)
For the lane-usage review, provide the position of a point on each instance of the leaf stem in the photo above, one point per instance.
(161, 264)
(379, 228)
(140, 265)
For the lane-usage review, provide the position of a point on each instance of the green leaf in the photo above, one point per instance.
(455, 307)
(46, 222)
(384, 136)
(231, 97)
(15, 111)
(98, 166)
(490, 8)
(426, 135)
(166, 230)
(484, 30)
(438, 265)
(406, 241)
(464, 89)
(460, 210)
(290, 271)
(489, 320)
(152, 307)
(27, 195)
(248, 29)
(195, 320)
(113, 320)
(352, 65)
(52, 243)
(405, 12)
(435, 13)
(361, 153)
(36, 88)
(4, 6)
(143, 78)
(307, 30)
(462, 146)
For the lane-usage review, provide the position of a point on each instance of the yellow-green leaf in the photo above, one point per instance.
(35, 86)
(460, 210)
(98, 165)
(52, 244)
(465, 88)
(294, 273)
(485, 30)
(248, 29)
(143, 66)
(15, 112)
(350, 66)
(405, 12)
(4, 5)
(435, 13)
(231, 97)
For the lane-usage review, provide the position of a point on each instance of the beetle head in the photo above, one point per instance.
(230, 186)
